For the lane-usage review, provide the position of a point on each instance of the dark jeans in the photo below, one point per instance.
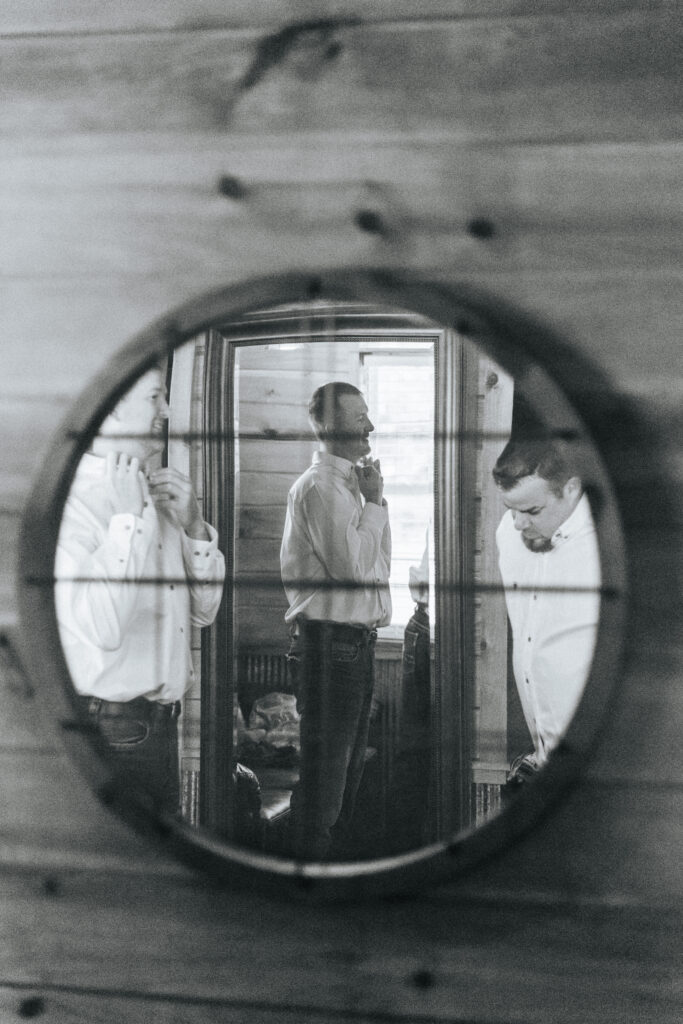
(332, 672)
(143, 742)
(409, 792)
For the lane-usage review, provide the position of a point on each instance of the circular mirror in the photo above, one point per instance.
(325, 579)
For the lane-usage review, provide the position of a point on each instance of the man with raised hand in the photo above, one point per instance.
(335, 560)
(136, 568)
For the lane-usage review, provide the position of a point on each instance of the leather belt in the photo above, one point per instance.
(340, 630)
(147, 709)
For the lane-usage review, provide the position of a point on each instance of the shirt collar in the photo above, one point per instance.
(343, 466)
(91, 465)
(580, 519)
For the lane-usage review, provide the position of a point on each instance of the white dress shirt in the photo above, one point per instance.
(553, 630)
(331, 534)
(124, 638)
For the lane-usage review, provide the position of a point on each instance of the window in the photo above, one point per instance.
(398, 381)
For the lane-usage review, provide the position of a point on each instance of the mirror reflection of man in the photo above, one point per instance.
(550, 566)
(127, 642)
(335, 560)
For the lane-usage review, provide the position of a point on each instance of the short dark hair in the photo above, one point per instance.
(552, 460)
(325, 401)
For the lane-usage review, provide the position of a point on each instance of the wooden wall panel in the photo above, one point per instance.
(26, 424)
(66, 196)
(288, 457)
(22, 16)
(10, 524)
(560, 123)
(603, 77)
(362, 960)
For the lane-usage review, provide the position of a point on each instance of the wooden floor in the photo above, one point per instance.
(151, 151)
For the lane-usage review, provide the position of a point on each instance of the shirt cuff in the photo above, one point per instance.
(376, 515)
(199, 555)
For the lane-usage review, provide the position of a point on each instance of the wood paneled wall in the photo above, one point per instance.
(152, 150)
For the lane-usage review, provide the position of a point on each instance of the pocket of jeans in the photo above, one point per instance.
(344, 652)
(123, 733)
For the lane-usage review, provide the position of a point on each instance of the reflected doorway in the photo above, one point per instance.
(441, 410)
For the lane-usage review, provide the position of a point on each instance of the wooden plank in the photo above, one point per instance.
(26, 426)
(265, 489)
(24, 16)
(154, 200)
(262, 523)
(71, 1006)
(327, 356)
(589, 77)
(267, 417)
(599, 843)
(9, 530)
(180, 942)
(281, 386)
(51, 818)
(21, 723)
(276, 456)
(260, 556)
(642, 740)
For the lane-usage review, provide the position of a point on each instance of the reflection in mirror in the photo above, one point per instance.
(346, 604)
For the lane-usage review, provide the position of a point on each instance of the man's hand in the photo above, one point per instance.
(125, 484)
(174, 497)
(370, 481)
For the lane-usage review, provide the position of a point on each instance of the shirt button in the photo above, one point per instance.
(172, 586)
(159, 547)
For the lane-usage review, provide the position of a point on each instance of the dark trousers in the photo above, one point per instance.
(409, 793)
(142, 737)
(332, 672)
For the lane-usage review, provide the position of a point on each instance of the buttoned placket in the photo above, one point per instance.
(530, 638)
(354, 487)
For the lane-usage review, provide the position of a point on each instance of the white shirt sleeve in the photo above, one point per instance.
(95, 574)
(205, 568)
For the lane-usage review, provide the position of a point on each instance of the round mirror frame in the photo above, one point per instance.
(518, 344)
